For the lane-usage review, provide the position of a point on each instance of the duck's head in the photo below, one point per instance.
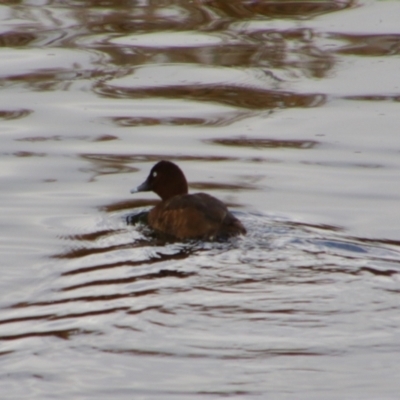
(166, 179)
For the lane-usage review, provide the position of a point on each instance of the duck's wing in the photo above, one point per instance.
(197, 215)
(229, 225)
(202, 203)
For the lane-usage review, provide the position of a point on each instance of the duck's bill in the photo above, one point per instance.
(144, 187)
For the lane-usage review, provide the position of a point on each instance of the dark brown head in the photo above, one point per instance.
(166, 179)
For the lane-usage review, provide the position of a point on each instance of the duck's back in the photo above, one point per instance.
(191, 216)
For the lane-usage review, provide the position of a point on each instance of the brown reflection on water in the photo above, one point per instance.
(257, 49)
(28, 154)
(57, 138)
(150, 121)
(15, 114)
(131, 279)
(318, 227)
(265, 298)
(374, 97)
(104, 138)
(132, 158)
(144, 17)
(51, 79)
(278, 8)
(388, 242)
(242, 97)
(158, 258)
(78, 252)
(265, 143)
(60, 334)
(16, 39)
(91, 236)
(214, 120)
(341, 164)
(296, 49)
(369, 45)
(260, 47)
(128, 205)
(207, 15)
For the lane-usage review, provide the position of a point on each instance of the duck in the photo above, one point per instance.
(185, 216)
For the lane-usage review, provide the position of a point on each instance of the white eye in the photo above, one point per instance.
(154, 174)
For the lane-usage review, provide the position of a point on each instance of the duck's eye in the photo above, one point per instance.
(154, 174)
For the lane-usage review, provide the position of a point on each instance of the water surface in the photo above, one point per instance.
(287, 111)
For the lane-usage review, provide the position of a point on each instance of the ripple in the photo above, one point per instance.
(23, 154)
(286, 9)
(264, 143)
(110, 86)
(287, 280)
(369, 45)
(16, 39)
(223, 119)
(15, 114)
(241, 97)
(168, 39)
(183, 74)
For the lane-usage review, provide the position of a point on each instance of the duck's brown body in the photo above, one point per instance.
(183, 215)
(193, 216)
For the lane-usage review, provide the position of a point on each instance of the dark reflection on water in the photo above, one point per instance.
(218, 120)
(93, 307)
(16, 39)
(15, 114)
(158, 275)
(241, 97)
(48, 80)
(374, 97)
(142, 121)
(370, 45)
(128, 205)
(131, 158)
(28, 154)
(265, 143)
(275, 253)
(60, 334)
(287, 291)
(279, 8)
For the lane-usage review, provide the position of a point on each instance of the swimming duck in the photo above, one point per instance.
(182, 215)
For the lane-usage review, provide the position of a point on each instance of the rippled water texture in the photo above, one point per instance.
(288, 111)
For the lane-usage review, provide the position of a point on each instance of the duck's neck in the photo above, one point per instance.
(174, 188)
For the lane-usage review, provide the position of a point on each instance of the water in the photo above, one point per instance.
(286, 111)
